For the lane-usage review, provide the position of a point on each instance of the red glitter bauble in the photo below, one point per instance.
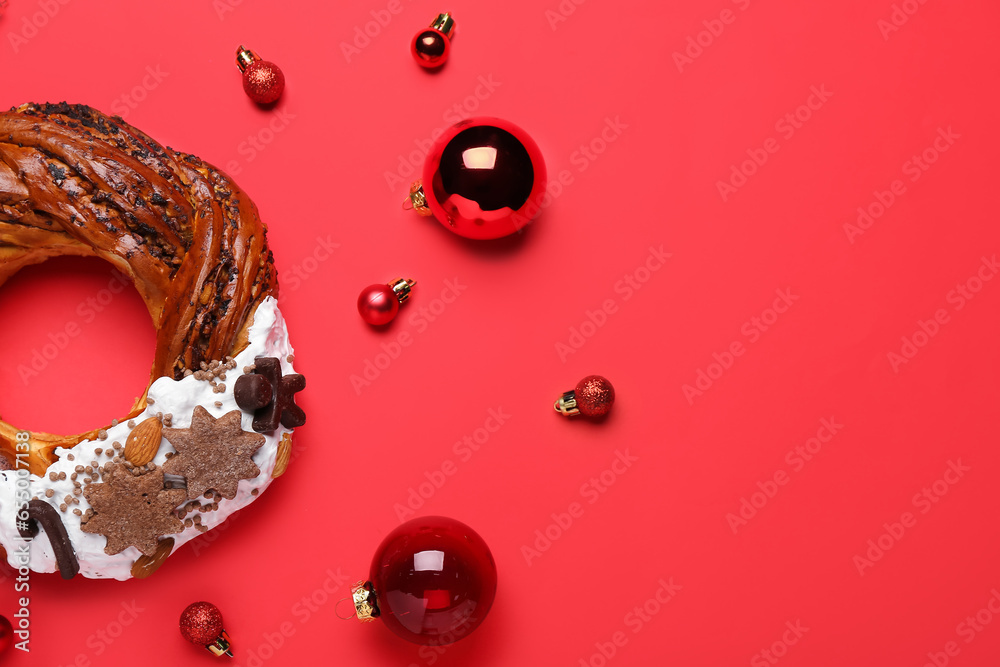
(594, 396)
(201, 623)
(484, 178)
(435, 580)
(6, 634)
(263, 82)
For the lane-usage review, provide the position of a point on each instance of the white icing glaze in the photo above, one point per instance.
(268, 338)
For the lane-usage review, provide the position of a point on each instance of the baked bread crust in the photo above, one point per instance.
(76, 182)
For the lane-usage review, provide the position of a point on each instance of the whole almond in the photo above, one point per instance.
(144, 441)
(284, 454)
(147, 565)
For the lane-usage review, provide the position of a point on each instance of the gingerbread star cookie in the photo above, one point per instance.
(213, 453)
(132, 510)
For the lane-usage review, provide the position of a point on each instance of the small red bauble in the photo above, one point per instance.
(432, 581)
(378, 304)
(201, 624)
(483, 178)
(263, 81)
(430, 47)
(6, 634)
(593, 396)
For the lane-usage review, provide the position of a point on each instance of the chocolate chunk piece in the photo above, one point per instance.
(281, 408)
(41, 513)
(253, 392)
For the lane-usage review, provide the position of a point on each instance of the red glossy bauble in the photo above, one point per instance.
(377, 304)
(6, 635)
(430, 48)
(435, 580)
(484, 178)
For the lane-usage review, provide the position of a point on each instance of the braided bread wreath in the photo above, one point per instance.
(117, 500)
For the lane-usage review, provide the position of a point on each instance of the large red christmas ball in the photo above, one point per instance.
(484, 178)
(435, 579)
(6, 634)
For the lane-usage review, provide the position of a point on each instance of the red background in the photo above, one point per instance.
(320, 179)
